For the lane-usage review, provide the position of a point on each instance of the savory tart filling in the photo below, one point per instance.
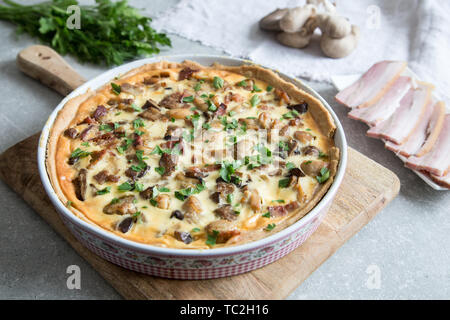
(186, 156)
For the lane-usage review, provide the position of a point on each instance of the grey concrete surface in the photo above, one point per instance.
(408, 242)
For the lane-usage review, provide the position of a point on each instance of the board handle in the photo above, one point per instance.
(47, 66)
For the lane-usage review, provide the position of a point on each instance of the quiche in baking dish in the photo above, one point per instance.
(181, 155)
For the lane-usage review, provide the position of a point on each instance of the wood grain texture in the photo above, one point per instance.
(47, 66)
(367, 187)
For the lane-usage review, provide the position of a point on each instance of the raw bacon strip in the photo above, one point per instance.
(424, 137)
(434, 128)
(406, 118)
(443, 181)
(372, 85)
(384, 107)
(437, 161)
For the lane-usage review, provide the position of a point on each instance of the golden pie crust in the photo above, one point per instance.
(153, 224)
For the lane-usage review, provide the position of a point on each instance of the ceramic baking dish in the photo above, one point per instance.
(183, 263)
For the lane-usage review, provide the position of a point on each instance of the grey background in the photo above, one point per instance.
(408, 241)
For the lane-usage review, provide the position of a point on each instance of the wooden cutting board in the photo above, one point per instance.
(366, 189)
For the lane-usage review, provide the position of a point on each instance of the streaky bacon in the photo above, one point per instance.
(443, 181)
(437, 160)
(425, 135)
(398, 127)
(372, 85)
(386, 106)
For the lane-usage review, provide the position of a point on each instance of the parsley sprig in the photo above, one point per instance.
(110, 33)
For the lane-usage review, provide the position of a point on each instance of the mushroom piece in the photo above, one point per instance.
(80, 184)
(294, 40)
(121, 206)
(192, 208)
(222, 229)
(339, 48)
(301, 38)
(334, 26)
(271, 22)
(295, 19)
(312, 167)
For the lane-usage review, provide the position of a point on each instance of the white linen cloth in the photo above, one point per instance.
(416, 31)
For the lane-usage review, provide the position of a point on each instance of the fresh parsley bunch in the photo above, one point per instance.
(111, 32)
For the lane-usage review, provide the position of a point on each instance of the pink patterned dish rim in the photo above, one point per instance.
(180, 263)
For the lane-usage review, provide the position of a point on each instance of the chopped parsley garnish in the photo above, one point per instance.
(105, 127)
(265, 155)
(116, 89)
(104, 191)
(242, 83)
(138, 168)
(138, 187)
(136, 108)
(195, 230)
(85, 144)
(140, 155)
(228, 169)
(68, 203)
(291, 114)
(198, 85)
(206, 126)
(172, 119)
(160, 170)
(278, 200)
(324, 175)
(78, 153)
(270, 227)
(136, 215)
(138, 132)
(124, 147)
(184, 193)
(188, 99)
(256, 89)
(211, 106)
(266, 215)
(290, 166)
(283, 145)
(137, 123)
(230, 198)
(164, 189)
(269, 88)
(233, 124)
(218, 82)
(283, 183)
(308, 129)
(194, 119)
(114, 201)
(231, 113)
(212, 238)
(126, 186)
(255, 100)
(160, 151)
(322, 155)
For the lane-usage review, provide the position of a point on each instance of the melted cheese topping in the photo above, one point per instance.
(250, 147)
